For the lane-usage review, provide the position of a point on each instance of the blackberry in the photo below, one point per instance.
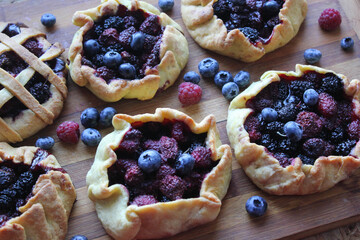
(222, 9)
(7, 177)
(306, 160)
(344, 148)
(274, 127)
(288, 112)
(278, 105)
(24, 184)
(312, 77)
(5, 202)
(268, 142)
(332, 84)
(283, 90)
(250, 33)
(261, 103)
(337, 135)
(287, 146)
(117, 47)
(298, 88)
(98, 60)
(114, 22)
(98, 29)
(41, 91)
(283, 159)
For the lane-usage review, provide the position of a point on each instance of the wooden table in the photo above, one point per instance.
(288, 217)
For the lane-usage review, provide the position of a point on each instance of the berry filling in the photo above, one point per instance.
(306, 117)
(255, 19)
(16, 183)
(161, 162)
(124, 45)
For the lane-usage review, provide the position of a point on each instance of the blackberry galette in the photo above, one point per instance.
(126, 49)
(297, 132)
(243, 29)
(159, 174)
(32, 81)
(36, 194)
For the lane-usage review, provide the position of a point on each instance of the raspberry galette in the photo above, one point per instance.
(159, 174)
(297, 132)
(33, 81)
(243, 29)
(126, 49)
(36, 194)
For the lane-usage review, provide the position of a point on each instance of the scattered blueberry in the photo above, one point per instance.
(137, 41)
(270, 9)
(208, 67)
(12, 30)
(256, 206)
(347, 43)
(185, 164)
(112, 59)
(90, 137)
(192, 77)
(293, 131)
(269, 114)
(90, 117)
(127, 71)
(242, 79)
(166, 5)
(106, 116)
(91, 47)
(223, 77)
(310, 97)
(230, 90)
(312, 56)
(45, 143)
(79, 237)
(149, 161)
(48, 20)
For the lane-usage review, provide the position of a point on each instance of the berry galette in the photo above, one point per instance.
(32, 85)
(159, 174)
(297, 132)
(36, 194)
(243, 29)
(126, 49)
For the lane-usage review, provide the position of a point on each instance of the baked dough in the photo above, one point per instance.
(297, 178)
(45, 215)
(210, 32)
(174, 55)
(162, 219)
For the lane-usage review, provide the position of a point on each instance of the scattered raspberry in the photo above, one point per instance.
(261, 103)
(152, 144)
(125, 37)
(68, 132)
(151, 25)
(330, 19)
(131, 141)
(354, 129)
(168, 148)
(173, 187)
(143, 200)
(109, 36)
(180, 132)
(252, 127)
(311, 123)
(105, 73)
(193, 183)
(202, 156)
(134, 176)
(345, 111)
(283, 159)
(316, 147)
(189, 93)
(164, 170)
(327, 105)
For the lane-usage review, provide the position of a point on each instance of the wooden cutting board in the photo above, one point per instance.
(287, 216)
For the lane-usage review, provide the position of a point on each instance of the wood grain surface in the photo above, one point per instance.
(288, 217)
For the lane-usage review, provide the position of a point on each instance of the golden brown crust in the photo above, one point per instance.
(45, 215)
(174, 55)
(161, 219)
(210, 32)
(297, 178)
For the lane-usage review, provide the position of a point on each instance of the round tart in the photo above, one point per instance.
(302, 147)
(243, 29)
(137, 52)
(32, 88)
(133, 202)
(36, 194)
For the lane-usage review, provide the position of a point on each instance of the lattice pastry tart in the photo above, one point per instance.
(33, 83)
(126, 49)
(243, 29)
(36, 194)
(159, 174)
(297, 132)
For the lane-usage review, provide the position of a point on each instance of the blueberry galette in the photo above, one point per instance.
(159, 174)
(243, 29)
(32, 81)
(36, 194)
(297, 132)
(126, 49)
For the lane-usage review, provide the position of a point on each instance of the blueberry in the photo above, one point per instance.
(347, 43)
(112, 59)
(106, 116)
(79, 237)
(208, 67)
(256, 206)
(127, 71)
(149, 161)
(230, 90)
(137, 41)
(12, 30)
(293, 131)
(90, 137)
(48, 20)
(223, 77)
(310, 97)
(242, 79)
(185, 164)
(270, 9)
(90, 117)
(312, 56)
(192, 77)
(91, 47)
(166, 5)
(45, 143)
(269, 114)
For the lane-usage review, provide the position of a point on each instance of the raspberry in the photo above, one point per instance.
(164, 170)
(330, 19)
(168, 148)
(345, 111)
(151, 25)
(189, 93)
(131, 141)
(202, 156)
(327, 105)
(105, 73)
(193, 183)
(316, 147)
(261, 103)
(143, 200)
(173, 187)
(134, 176)
(125, 37)
(109, 37)
(310, 122)
(354, 129)
(252, 126)
(68, 132)
(180, 132)
(152, 144)
(283, 159)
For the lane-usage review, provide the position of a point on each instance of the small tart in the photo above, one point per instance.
(36, 194)
(164, 55)
(329, 149)
(241, 30)
(181, 202)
